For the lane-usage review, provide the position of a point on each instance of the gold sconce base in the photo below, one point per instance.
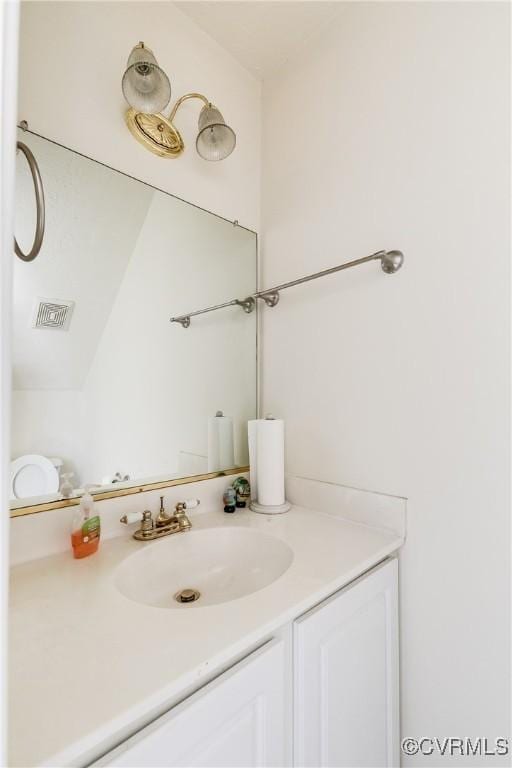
(155, 132)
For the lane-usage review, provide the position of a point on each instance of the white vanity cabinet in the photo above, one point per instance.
(237, 720)
(346, 676)
(341, 710)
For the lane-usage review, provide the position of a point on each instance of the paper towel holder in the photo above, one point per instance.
(269, 510)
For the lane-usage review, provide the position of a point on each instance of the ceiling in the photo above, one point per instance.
(262, 36)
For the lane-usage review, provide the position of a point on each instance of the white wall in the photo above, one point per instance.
(73, 95)
(393, 132)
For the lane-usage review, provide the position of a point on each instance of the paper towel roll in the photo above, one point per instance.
(266, 458)
(221, 454)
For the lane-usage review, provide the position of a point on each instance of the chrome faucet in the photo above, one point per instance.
(164, 524)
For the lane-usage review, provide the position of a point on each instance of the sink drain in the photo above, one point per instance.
(187, 596)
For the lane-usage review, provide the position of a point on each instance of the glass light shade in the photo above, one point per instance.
(215, 140)
(145, 85)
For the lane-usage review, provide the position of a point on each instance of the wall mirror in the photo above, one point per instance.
(106, 391)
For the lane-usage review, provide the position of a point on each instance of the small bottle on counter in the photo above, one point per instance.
(85, 528)
(243, 492)
(229, 499)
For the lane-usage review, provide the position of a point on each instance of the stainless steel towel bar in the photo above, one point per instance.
(390, 262)
(38, 187)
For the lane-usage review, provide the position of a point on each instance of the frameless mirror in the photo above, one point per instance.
(106, 391)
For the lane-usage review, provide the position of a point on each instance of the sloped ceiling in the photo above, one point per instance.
(261, 35)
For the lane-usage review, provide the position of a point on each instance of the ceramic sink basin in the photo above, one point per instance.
(221, 564)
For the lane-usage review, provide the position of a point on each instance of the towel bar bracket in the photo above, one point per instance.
(271, 298)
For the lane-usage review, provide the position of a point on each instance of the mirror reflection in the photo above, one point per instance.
(106, 391)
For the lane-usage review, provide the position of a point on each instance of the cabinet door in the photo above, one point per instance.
(346, 676)
(236, 720)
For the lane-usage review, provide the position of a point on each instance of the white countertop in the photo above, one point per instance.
(88, 666)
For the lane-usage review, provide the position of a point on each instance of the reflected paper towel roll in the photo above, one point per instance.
(221, 454)
(266, 458)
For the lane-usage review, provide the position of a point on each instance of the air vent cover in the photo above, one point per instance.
(52, 313)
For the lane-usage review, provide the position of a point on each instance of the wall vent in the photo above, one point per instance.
(52, 313)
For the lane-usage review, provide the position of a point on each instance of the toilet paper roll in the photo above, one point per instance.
(221, 454)
(266, 458)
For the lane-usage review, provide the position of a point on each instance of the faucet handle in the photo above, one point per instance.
(181, 517)
(187, 504)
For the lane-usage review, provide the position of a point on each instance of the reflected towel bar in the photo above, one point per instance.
(390, 262)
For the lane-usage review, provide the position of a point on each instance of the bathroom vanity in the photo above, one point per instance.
(335, 676)
(296, 668)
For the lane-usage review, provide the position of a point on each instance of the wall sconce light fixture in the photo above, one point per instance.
(147, 90)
